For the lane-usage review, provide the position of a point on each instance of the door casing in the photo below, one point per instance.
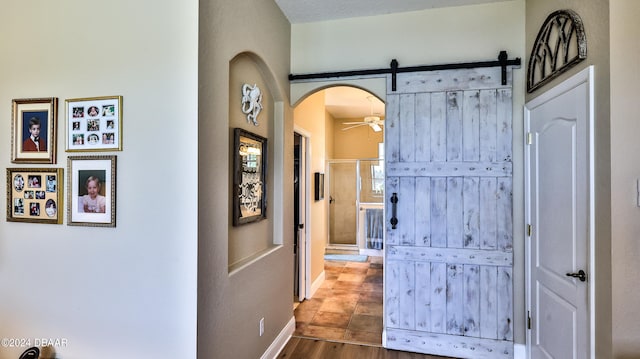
(304, 253)
(585, 76)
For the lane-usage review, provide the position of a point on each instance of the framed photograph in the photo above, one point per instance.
(33, 139)
(92, 191)
(35, 195)
(94, 124)
(249, 177)
(319, 186)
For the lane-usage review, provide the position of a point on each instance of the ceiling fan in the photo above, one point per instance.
(375, 122)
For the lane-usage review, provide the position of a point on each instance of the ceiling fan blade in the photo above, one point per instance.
(376, 127)
(354, 126)
(353, 123)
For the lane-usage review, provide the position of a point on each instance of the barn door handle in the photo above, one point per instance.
(394, 209)
(580, 275)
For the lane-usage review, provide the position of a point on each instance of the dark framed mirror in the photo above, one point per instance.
(249, 177)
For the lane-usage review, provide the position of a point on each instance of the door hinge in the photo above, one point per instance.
(529, 138)
(529, 230)
(528, 319)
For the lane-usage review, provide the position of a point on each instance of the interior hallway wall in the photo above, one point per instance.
(310, 115)
(625, 172)
(595, 16)
(123, 292)
(230, 306)
(435, 36)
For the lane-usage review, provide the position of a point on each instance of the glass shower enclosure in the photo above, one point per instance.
(356, 205)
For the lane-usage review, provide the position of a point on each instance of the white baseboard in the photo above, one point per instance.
(519, 351)
(315, 285)
(281, 340)
(371, 252)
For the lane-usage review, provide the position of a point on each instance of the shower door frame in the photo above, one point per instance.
(358, 187)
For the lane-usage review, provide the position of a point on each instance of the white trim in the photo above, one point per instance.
(307, 217)
(519, 351)
(584, 76)
(281, 340)
(278, 172)
(316, 285)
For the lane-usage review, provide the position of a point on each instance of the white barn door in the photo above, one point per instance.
(448, 261)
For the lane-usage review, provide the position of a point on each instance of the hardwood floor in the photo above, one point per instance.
(305, 348)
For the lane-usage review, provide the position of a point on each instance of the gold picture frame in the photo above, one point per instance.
(35, 195)
(92, 191)
(33, 135)
(94, 124)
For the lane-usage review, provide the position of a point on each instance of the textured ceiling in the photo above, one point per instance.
(301, 11)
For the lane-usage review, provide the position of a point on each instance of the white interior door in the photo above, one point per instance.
(449, 256)
(558, 127)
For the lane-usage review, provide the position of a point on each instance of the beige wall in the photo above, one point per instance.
(356, 143)
(435, 36)
(230, 306)
(595, 16)
(311, 117)
(248, 241)
(129, 291)
(625, 171)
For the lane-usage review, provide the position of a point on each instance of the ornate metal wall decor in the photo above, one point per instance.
(251, 102)
(560, 45)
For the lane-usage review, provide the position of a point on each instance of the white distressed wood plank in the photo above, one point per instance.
(392, 185)
(392, 129)
(438, 297)
(457, 146)
(392, 294)
(447, 80)
(472, 290)
(488, 125)
(423, 296)
(455, 221)
(471, 126)
(505, 303)
(423, 211)
(438, 212)
(471, 203)
(450, 169)
(504, 119)
(505, 214)
(455, 299)
(489, 302)
(448, 345)
(406, 210)
(449, 255)
(438, 133)
(407, 128)
(488, 208)
(407, 295)
(455, 101)
(422, 137)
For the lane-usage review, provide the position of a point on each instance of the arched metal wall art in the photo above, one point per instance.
(560, 45)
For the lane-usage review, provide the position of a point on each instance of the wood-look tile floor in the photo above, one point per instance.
(348, 305)
(344, 318)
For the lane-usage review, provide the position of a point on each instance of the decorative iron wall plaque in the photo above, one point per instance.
(560, 45)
